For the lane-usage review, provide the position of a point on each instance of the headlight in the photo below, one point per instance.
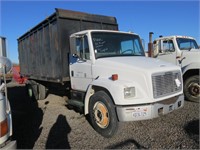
(129, 92)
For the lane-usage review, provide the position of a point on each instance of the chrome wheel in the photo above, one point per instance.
(194, 89)
(101, 115)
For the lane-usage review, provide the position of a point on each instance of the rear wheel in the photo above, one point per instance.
(32, 90)
(102, 114)
(42, 92)
(192, 88)
(36, 91)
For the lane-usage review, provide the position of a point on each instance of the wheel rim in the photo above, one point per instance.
(101, 115)
(30, 92)
(194, 89)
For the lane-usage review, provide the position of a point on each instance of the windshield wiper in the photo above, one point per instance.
(190, 48)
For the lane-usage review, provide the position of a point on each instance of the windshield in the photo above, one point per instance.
(108, 44)
(186, 44)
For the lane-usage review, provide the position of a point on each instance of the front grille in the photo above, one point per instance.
(166, 83)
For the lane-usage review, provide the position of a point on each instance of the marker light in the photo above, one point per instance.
(3, 128)
(115, 77)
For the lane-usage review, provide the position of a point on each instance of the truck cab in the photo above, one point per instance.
(118, 82)
(184, 52)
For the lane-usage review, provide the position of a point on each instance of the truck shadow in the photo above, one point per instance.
(133, 144)
(57, 138)
(27, 117)
(192, 129)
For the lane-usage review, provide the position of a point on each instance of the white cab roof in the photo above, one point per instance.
(110, 31)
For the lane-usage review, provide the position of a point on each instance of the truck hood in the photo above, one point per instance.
(191, 59)
(138, 63)
(129, 67)
(191, 56)
(133, 71)
(192, 52)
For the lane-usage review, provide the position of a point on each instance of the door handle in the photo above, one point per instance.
(72, 73)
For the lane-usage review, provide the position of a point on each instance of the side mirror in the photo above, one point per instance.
(160, 47)
(73, 46)
(143, 43)
(77, 47)
(75, 56)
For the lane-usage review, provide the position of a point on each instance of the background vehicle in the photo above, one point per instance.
(5, 110)
(105, 70)
(14, 73)
(3, 52)
(184, 52)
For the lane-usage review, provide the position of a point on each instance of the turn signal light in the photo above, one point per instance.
(3, 128)
(115, 77)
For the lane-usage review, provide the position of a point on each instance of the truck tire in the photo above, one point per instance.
(192, 88)
(36, 91)
(32, 91)
(42, 92)
(102, 114)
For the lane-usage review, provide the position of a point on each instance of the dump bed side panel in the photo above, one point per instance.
(39, 53)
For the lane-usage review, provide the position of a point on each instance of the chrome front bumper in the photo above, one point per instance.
(149, 111)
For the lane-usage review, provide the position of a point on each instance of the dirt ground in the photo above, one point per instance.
(49, 124)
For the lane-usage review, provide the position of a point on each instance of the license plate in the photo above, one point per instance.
(139, 114)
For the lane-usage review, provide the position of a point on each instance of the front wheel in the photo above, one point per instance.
(102, 114)
(192, 88)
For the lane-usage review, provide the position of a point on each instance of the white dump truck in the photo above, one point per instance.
(182, 51)
(105, 70)
(6, 132)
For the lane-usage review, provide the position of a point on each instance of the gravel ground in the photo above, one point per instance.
(49, 124)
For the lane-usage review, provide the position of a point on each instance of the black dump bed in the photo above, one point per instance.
(43, 51)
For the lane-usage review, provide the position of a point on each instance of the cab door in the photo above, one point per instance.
(167, 51)
(80, 64)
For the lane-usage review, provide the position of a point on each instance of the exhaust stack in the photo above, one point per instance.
(150, 45)
(3, 46)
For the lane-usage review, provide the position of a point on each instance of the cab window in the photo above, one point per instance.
(168, 45)
(82, 48)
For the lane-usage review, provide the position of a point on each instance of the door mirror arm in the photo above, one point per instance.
(180, 61)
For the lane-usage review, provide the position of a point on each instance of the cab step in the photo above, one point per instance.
(76, 103)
